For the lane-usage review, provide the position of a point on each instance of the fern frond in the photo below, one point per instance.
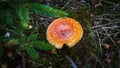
(23, 14)
(42, 45)
(32, 53)
(47, 10)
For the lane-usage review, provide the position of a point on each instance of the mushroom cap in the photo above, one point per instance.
(64, 31)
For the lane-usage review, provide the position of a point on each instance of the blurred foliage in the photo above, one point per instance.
(32, 53)
(15, 20)
(13, 10)
(46, 10)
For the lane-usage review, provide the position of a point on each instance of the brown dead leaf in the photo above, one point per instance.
(99, 4)
(108, 60)
(54, 51)
(4, 66)
(106, 46)
(118, 42)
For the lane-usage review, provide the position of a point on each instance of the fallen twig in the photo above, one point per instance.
(71, 61)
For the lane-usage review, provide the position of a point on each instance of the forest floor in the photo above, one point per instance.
(99, 46)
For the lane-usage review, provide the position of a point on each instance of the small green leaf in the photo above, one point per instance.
(32, 37)
(23, 14)
(47, 10)
(32, 53)
(42, 45)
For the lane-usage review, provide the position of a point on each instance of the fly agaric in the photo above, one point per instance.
(64, 31)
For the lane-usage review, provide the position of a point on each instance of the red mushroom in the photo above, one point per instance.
(64, 31)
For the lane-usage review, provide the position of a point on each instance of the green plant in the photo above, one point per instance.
(15, 20)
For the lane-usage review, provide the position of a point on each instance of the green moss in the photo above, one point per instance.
(81, 15)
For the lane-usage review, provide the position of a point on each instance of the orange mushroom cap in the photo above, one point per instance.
(64, 31)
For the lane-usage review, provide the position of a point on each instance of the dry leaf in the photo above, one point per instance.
(99, 4)
(108, 60)
(106, 46)
(118, 42)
